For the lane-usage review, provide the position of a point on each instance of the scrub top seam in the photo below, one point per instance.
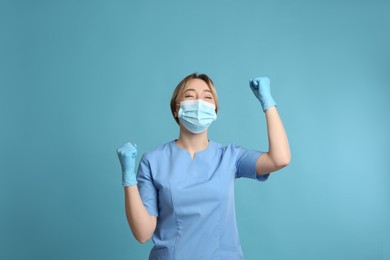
(235, 165)
(177, 222)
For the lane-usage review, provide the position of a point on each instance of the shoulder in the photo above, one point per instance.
(237, 152)
(231, 148)
(228, 147)
(158, 152)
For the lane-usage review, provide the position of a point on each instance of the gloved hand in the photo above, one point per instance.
(127, 154)
(261, 89)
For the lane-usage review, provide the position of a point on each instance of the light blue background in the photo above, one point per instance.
(80, 78)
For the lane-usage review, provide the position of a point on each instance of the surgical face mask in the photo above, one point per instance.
(196, 115)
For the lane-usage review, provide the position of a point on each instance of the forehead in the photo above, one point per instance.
(197, 84)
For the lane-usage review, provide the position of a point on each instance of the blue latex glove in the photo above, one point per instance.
(127, 154)
(261, 89)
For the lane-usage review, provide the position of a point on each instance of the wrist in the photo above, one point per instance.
(267, 103)
(129, 179)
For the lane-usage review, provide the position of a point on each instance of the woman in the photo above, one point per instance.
(183, 194)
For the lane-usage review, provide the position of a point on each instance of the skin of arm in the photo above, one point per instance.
(278, 155)
(142, 224)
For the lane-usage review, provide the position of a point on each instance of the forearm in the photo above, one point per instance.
(141, 223)
(279, 149)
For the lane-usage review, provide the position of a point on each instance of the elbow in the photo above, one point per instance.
(142, 239)
(142, 236)
(283, 164)
(283, 161)
(287, 160)
(143, 232)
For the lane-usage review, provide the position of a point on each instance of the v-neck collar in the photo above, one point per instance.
(182, 150)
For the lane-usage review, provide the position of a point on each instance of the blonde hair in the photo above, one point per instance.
(182, 85)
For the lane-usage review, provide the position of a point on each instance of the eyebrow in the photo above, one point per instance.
(191, 89)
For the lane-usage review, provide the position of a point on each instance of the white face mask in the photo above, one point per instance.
(196, 115)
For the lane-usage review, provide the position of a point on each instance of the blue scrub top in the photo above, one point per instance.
(193, 199)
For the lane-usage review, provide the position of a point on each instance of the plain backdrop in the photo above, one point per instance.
(80, 78)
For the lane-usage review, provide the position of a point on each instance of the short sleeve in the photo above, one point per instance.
(246, 163)
(146, 187)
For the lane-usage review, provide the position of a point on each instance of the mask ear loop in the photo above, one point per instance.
(176, 115)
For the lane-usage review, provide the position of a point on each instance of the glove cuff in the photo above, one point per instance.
(267, 103)
(129, 179)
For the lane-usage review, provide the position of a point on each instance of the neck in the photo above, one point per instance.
(192, 142)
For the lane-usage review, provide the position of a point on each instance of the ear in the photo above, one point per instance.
(176, 112)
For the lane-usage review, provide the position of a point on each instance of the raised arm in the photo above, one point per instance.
(279, 155)
(141, 223)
